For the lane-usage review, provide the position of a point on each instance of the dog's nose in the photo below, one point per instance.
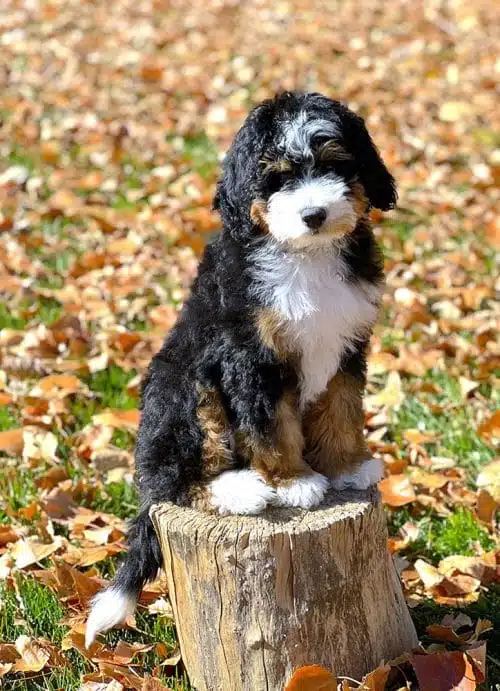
(313, 216)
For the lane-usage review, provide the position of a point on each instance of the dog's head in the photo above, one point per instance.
(304, 169)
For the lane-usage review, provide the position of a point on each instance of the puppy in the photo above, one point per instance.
(255, 398)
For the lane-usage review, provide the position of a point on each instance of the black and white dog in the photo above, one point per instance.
(255, 398)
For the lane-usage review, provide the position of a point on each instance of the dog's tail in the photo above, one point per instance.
(142, 563)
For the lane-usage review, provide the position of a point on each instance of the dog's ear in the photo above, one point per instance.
(235, 190)
(379, 184)
(216, 201)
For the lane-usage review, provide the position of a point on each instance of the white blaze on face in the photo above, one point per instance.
(285, 207)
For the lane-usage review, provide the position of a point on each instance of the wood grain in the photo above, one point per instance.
(256, 597)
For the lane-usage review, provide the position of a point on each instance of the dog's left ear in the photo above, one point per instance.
(379, 184)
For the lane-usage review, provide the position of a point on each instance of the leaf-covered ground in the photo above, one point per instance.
(113, 118)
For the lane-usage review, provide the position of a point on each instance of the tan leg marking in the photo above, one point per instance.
(280, 461)
(333, 427)
(216, 450)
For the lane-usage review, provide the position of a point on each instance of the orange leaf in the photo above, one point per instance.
(57, 386)
(376, 680)
(7, 534)
(486, 507)
(396, 490)
(490, 428)
(118, 418)
(428, 480)
(12, 441)
(477, 654)
(312, 678)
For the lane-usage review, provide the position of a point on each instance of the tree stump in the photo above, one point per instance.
(254, 598)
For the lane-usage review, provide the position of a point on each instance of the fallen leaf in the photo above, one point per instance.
(128, 419)
(11, 441)
(312, 678)
(489, 479)
(486, 507)
(8, 534)
(33, 656)
(429, 574)
(376, 680)
(396, 490)
(31, 550)
(153, 684)
(428, 480)
(58, 386)
(392, 395)
(490, 428)
(447, 671)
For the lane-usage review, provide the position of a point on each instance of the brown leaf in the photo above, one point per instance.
(396, 490)
(125, 652)
(482, 568)
(448, 671)
(152, 684)
(415, 436)
(312, 678)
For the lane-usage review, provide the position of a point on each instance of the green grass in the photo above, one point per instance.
(9, 320)
(118, 498)
(110, 385)
(17, 487)
(458, 534)
(455, 425)
(34, 610)
(200, 153)
(441, 537)
(8, 419)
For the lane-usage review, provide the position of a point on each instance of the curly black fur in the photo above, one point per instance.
(215, 343)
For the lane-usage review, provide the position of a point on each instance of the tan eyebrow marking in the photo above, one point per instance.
(332, 151)
(277, 166)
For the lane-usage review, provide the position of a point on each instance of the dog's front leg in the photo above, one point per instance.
(334, 440)
(273, 464)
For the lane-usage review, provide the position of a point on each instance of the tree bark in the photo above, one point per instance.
(255, 598)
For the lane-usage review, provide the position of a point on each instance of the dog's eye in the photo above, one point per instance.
(276, 179)
(346, 168)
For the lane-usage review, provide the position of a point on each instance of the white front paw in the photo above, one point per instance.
(241, 492)
(368, 473)
(304, 492)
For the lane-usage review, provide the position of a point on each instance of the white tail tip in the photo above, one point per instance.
(109, 608)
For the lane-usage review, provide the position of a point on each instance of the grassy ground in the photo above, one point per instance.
(110, 152)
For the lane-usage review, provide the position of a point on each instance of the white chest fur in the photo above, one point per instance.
(323, 313)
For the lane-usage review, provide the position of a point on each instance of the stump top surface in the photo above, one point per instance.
(336, 507)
